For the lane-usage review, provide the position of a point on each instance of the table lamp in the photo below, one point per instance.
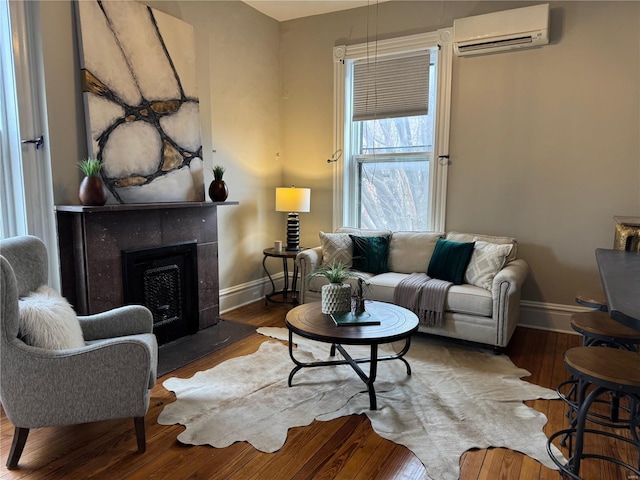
(293, 200)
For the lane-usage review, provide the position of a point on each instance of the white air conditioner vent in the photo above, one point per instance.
(500, 31)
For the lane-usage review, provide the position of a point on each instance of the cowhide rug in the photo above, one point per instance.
(457, 398)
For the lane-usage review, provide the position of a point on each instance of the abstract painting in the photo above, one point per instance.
(141, 101)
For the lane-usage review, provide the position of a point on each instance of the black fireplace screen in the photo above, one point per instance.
(162, 294)
(165, 280)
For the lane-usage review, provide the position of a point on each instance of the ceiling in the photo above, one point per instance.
(283, 10)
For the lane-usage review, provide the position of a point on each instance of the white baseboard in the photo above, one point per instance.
(243, 294)
(554, 317)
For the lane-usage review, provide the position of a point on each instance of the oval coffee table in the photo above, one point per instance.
(396, 323)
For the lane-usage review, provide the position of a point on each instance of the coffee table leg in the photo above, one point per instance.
(294, 370)
(348, 360)
(403, 352)
(373, 371)
(298, 364)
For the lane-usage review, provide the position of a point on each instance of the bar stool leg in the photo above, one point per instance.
(580, 426)
(634, 409)
(580, 393)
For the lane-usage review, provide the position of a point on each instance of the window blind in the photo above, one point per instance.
(391, 87)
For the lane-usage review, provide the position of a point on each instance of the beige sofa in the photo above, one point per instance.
(483, 309)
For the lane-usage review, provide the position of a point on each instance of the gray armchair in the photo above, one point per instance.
(109, 378)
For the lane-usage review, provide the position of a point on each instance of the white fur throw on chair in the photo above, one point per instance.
(48, 321)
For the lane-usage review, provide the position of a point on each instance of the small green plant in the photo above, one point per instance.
(91, 167)
(218, 172)
(336, 272)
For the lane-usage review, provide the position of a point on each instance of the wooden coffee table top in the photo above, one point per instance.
(396, 323)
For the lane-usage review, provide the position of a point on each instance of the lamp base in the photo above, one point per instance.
(293, 232)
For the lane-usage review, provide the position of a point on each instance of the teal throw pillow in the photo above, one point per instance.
(449, 260)
(371, 254)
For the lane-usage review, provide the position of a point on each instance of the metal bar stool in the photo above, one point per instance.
(600, 371)
(597, 329)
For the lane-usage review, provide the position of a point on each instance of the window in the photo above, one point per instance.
(392, 111)
(26, 185)
(12, 203)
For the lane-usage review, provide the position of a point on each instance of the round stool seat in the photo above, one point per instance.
(607, 367)
(601, 326)
(601, 371)
(592, 300)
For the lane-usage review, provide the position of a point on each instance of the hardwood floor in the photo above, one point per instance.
(345, 448)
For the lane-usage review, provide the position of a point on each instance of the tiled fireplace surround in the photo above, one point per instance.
(92, 239)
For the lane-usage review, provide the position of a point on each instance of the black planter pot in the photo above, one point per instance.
(218, 191)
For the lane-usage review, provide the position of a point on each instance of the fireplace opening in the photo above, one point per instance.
(165, 280)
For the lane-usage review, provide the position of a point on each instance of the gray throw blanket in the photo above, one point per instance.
(424, 296)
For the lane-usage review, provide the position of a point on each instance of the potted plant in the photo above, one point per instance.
(336, 296)
(91, 191)
(218, 191)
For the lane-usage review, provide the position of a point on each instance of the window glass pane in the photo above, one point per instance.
(394, 195)
(13, 217)
(397, 135)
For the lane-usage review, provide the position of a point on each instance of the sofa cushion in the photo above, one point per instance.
(486, 261)
(449, 260)
(467, 299)
(381, 287)
(410, 252)
(472, 237)
(336, 248)
(371, 254)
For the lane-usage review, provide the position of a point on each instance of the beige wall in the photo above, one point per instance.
(65, 110)
(544, 142)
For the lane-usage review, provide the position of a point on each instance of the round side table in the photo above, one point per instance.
(285, 255)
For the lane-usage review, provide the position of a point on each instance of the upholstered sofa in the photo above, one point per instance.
(483, 308)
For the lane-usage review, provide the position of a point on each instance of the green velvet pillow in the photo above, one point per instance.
(371, 254)
(449, 260)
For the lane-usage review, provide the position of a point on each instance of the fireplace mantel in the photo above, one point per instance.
(91, 241)
(123, 207)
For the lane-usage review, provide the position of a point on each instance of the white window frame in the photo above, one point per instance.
(343, 190)
(12, 198)
(28, 187)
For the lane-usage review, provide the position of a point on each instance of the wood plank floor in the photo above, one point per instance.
(345, 448)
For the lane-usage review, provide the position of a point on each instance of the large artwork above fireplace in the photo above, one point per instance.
(141, 101)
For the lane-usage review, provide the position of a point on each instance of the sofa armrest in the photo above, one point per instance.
(507, 285)
(307, 261)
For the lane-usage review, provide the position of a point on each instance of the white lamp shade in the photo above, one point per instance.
(292, 199)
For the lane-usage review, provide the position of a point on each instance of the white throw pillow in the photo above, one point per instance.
(48, 321)
(472, 237)
(486, 261)
(336, 248)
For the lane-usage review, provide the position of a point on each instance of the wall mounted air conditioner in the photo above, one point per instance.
(507, 30)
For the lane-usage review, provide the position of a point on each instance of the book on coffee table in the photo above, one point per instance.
(350, 319)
